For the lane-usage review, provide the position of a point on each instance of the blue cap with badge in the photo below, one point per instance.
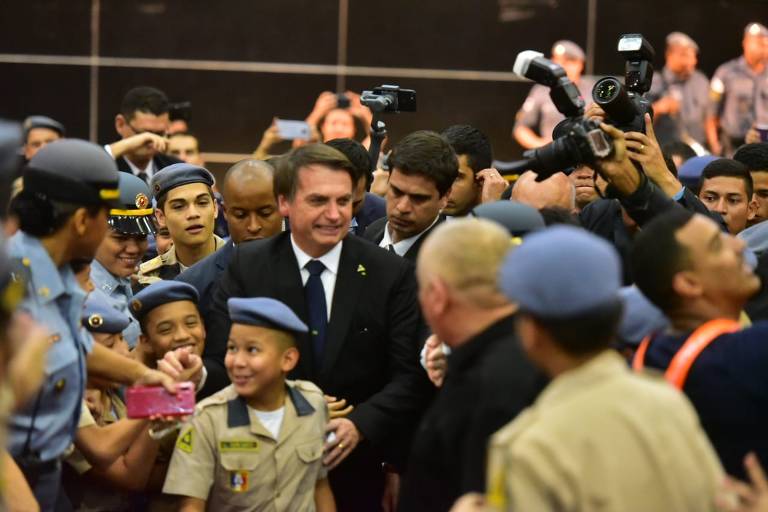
(562, 272)
(177, 175)
(99, 316)
(160, 293)
(264, 312)
(518, 218)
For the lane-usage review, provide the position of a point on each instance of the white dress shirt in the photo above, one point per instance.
(149, 171)
(403, 245)
(328, 277)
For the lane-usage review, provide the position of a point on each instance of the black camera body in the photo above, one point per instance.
(625, 104)
(389, 98)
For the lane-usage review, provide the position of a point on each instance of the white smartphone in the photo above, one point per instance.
(290, 130)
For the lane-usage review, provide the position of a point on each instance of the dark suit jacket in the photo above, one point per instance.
(375, 233)
(161, 160)
(204, 275)
(372, 347)
(374, 208)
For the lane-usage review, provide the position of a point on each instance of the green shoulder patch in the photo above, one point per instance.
(186, 441)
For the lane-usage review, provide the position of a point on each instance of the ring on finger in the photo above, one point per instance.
(341, 446)
(642, 147)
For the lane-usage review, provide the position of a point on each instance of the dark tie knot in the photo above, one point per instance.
(315, 267)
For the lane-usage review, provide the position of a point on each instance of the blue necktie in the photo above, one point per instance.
(314, 294)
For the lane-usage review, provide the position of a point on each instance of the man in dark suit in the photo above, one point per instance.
(489, 378)
(143, 127)
(366, 207)
(424, 166)
(360, 303)
(250, 207)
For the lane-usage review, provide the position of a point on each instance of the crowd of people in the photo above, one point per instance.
(406, 331)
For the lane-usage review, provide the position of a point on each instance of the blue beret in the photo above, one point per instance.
(561, 272)
(517, 218)
(690, 172)
(177, 175)
(640, 317)
(33, 122)
(99, 316)
(264, 312)
(160, 293)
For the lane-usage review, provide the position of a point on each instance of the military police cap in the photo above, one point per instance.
(159, 294)
(99, 316)
(517, 218)
(568, 49)
(562, 272)
(264, 312)
(177, 175)
(755, 29)
(134, 214)
(74, 171)
(33, 122)
(639, 318)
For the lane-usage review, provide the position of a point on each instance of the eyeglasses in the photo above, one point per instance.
(137, 131)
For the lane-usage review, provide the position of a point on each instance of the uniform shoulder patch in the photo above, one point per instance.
(186, 441)
(150, 265)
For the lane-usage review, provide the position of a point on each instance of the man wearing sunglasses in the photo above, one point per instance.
(142, 124)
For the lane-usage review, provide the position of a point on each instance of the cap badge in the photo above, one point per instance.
(136, 305)
(142, 201)
(95, 320)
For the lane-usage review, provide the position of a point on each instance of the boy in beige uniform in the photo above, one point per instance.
(257, 444)
(599, 437)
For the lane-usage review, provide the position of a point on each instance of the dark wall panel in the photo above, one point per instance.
(61, 92)
(238, 30)
(53, 27)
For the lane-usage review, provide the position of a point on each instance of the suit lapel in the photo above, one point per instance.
(290, 290)
(349, 284)
(411, 254)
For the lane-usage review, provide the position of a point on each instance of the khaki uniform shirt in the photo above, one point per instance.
(600, 438)
(166, 266)
(228, 458)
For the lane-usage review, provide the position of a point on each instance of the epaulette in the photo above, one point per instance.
(218, 398)
(305, 386)
(151, 265)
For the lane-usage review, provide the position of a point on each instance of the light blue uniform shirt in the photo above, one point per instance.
(119, 293)
(54, 300)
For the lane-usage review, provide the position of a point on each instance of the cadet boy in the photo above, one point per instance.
(122, 250)
(258, 443)
(170, 321)
(186, 206)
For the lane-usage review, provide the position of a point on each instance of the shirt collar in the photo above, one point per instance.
(149, 170)
(404, 245)
(606, 365)
(330, 259)
(106, 280)
(463, 356)
(237, 408)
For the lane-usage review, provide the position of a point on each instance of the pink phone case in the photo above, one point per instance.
(146, 401)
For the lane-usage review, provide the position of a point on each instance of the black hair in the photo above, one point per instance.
(287, 174)
(657, 256)
(730, 169)
(427, 154)
(162, 198)
(678, 148)
(754, 156)
(357, 155)
(39, 216)
(468, 140)
(144, 99)
(586, 333)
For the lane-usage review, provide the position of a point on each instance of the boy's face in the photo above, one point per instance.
(171, 326)
(258, 358)
(114, 342)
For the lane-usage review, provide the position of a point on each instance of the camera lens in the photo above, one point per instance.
(606, 90)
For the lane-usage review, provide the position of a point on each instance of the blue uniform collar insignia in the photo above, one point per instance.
(301, 404)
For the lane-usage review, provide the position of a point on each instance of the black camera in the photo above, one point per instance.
(389, 98)
(625, 105)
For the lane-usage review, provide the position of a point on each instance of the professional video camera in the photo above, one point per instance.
(578, 140)
(381, 100)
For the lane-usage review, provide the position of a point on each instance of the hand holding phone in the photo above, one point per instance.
(154, 401)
